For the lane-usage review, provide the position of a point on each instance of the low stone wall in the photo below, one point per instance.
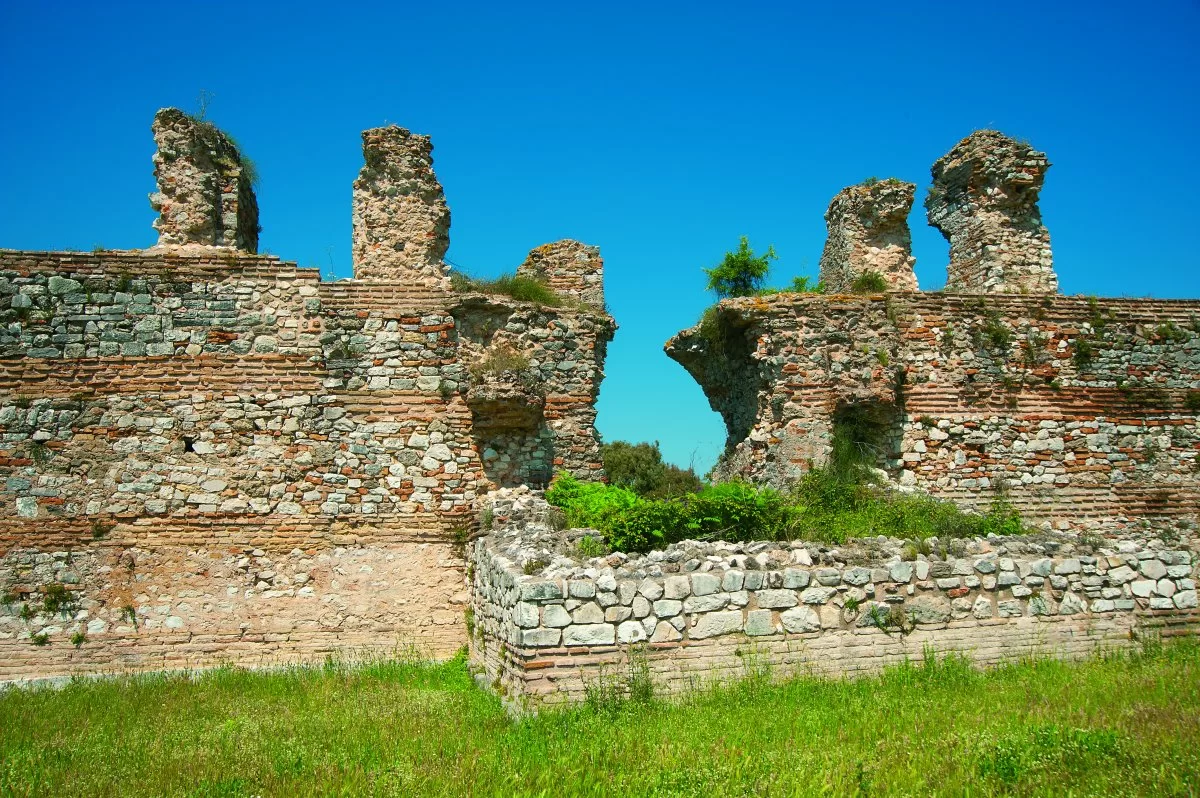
(545, 626)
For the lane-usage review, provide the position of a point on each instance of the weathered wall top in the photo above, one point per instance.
(204, 192)
(868, 232)
(568, 267)
(984, 201)
(400, 218)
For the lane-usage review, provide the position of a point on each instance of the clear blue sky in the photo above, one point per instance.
(660, 132)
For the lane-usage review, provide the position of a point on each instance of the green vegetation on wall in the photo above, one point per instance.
(523, 289)
(833, 504)
(743, 273)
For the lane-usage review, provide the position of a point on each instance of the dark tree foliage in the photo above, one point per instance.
(640, 468)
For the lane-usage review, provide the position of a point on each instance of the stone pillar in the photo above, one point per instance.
(568, 267)
(868, 232)
(400, 218)
(205, 194)
(984, 201)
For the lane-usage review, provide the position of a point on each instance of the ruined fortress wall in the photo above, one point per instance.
(1084, 409)
(711, 616)
(252, 464)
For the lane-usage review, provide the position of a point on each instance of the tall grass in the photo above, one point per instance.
(1116, 725)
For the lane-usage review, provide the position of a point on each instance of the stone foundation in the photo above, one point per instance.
(546, 625)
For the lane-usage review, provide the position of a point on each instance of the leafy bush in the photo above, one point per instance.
(833, 504)
(740, 273)
(523, 289)
(640, 467)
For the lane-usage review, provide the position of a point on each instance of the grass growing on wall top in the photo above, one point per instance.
(1122, 725)
(523, 289)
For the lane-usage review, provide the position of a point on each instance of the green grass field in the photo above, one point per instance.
(1119, 725)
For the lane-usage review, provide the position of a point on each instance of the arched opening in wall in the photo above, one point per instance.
(516, 455)
(869, 433)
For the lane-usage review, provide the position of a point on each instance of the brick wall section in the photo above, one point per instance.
(210, 404)
(544, 640)
(1085, 408)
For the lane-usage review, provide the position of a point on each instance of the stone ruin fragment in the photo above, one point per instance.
(568, 267)
(401, 223)
(984, 201)
(868, 232)
(205, 194)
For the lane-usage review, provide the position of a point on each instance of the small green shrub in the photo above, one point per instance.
(459, 536)
(79, 638)
(741, 272)
(39, 452)
(869, 283)
(40, 639)
(804, 285)
(1191, 401)
(1169, 332)
(994, 334)
(1085, 353)
(589, 547)
(56, 599)
(534, 566)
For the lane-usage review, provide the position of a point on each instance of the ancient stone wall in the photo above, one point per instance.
(401, 224)
(185, 410)
(204, 195)
(1085, 409)
(547, 625)
(984, 201)
(868, 232)
(569, 267)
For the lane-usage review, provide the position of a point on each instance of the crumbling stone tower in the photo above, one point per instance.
(568, 267)
(984, 201)
(868, 232)
(204, 192)
(401, 224)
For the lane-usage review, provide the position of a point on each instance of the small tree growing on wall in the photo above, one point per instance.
(741, 273)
